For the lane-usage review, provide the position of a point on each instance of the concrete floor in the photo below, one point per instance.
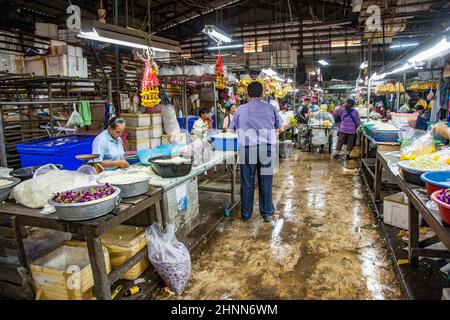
(325, 245)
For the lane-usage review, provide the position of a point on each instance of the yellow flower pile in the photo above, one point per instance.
(389, 88)
(423, 86)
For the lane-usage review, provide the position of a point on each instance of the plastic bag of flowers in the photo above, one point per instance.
(170, 257)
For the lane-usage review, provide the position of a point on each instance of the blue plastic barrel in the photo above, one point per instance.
(61, 150)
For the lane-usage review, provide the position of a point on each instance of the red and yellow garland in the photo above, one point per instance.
(150, 85)
(220, 74)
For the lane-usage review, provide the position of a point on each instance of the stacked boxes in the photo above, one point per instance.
(66, 61)
(138, 131)
(156, 130)
(144, 131)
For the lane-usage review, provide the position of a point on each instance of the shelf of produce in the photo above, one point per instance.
(413, 273)
(91, 230)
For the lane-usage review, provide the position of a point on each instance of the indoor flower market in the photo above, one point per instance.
(244, 152)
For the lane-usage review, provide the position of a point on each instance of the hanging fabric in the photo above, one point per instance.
(85, 113)
(436, 103)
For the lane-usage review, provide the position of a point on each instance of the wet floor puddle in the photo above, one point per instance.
(326, 245)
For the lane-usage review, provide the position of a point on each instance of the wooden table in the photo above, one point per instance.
(92, 230)
(417, 205)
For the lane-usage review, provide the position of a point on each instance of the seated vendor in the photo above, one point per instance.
(109, 145)
(422, 119)
(202, 126)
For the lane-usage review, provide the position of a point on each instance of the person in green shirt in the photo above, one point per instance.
(221, 114)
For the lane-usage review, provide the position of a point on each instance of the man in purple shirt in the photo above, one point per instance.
(256, 124)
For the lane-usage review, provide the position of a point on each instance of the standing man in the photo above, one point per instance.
(257, 124)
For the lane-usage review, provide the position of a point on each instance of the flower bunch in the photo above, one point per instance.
(83, 196)
(444, 196)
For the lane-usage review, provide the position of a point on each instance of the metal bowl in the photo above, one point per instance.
(86, 210)
(5, 190)
(170, 170)
(28, 172)
(129, 190)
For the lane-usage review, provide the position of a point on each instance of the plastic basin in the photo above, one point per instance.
(436, 181)
(413, 175)
(170, 170)
(444, 209)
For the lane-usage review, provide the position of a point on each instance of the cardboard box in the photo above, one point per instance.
(48, 30)
(395, 210)
(35, 65)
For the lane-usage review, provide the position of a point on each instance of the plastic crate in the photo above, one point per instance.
(54, 277)
(384, 135)
(225, 144)
(191, 121)
(61, 150)
(123, 242)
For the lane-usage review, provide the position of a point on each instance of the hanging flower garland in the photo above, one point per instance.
(150, 85)
(220, 77)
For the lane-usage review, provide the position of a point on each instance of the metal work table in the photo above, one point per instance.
(92, 231)
(367, 140)
(417, 205)
(230, 158)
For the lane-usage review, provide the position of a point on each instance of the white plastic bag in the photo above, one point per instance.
(34, 193)
(170, 122)
(75, 120)
(170, 257)
(195, 150)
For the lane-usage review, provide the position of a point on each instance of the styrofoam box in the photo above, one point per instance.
(395, 212)
(138, 144)
(138, 133)
(13, 63)
(82, 67)
(136, 120)
(35, 65)
(72, 66)
(156, 132)
(57, 65)
(156, 119)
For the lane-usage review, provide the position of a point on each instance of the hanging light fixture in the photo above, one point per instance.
(216, 34)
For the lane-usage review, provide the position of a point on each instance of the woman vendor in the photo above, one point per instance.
(109, 145)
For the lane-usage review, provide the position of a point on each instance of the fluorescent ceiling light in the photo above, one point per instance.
(323, 62)
(216, 34)
(403, 45)
(269, 72)
(95, 36)
(440, 48)
(364, 65)
(226, 47)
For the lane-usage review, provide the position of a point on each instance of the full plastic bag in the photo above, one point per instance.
(170, 122)
(416, 147)
(34, 193)
(4, 172)
(196, 151)
(170, 257)
(75, 120)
